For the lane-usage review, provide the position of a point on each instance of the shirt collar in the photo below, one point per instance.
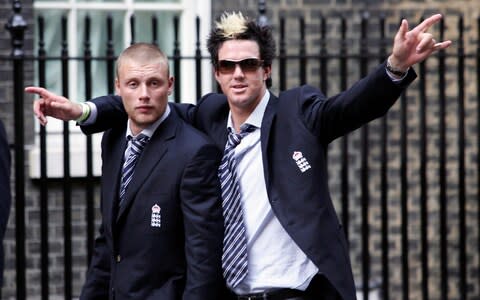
(256, 116)
(150, 129)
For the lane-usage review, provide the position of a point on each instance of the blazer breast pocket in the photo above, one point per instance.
(161, 213)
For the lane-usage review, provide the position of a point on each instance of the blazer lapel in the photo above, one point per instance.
(267, 122)
(154, 151)
(111, 174)
(220, 133)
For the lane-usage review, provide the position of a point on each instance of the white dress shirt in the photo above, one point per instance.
(274, 260)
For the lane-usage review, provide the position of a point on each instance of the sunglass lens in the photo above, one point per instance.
(226, 66)
(249, 64)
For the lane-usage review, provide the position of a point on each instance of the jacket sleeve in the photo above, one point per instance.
(111, 113)
(203, 222)
(368, 99)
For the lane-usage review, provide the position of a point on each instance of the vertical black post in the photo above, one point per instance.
(262, 13)
(384, 178)
(17, 25)
(365, 197)
(422, 87)
(43, 169)
(67, 188)
(323, 56)
(478, 141)
(176, 60)
(344, 168)
(132, 29)
(110, 55)
(198, 60)
(442, 171)
(282, 68)
(461, 163)
(154, 29)
(90, 210)
(302, 54)
(404, 193)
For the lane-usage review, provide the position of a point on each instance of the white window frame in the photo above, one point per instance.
(188, 11)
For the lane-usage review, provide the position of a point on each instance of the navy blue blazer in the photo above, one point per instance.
(165, 242)
(299, 125)
(5, 196)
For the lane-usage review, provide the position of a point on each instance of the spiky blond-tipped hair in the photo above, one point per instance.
(231, 24)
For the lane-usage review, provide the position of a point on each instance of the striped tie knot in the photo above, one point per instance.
(135, 148)
(235, 138)
(137, 144)
(234, 258)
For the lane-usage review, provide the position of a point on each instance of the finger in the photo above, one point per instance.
(426, 42)
(427, 23)
(37, 109)
(402, 31)
(442, 45)
(35, 90)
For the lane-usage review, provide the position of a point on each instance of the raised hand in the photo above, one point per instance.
(53, 105)
(411, 47)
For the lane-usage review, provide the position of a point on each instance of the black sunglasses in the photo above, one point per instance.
(247, 65)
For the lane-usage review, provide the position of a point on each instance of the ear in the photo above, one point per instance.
(217, 75)
(117, 86)
(267, 72)
(171, 80)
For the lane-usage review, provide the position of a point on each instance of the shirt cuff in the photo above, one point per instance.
(394, 77)
(92, 116)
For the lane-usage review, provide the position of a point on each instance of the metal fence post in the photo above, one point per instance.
(262, 10)
(16, 26)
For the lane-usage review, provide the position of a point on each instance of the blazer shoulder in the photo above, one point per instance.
(211, 104)
(301, 93)
(300, 99)
(191, 138)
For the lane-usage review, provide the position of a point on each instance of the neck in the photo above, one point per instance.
(239, 117)
(241, 113)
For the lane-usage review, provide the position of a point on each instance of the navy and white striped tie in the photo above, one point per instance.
(135, 146)
(234, 258)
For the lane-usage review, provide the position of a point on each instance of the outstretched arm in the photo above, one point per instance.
(53, 105)
(413, 46)
(109, 110)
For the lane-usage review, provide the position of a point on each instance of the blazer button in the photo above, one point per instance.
(118, 258)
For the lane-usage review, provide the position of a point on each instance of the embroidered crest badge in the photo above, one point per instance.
(156, 220)
(301, 161)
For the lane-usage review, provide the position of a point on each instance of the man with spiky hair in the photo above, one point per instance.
(287, 239)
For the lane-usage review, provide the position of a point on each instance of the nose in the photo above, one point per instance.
(238, 72)
(144, 92)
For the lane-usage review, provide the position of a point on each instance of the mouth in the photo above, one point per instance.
(143, 108)
(239, 87)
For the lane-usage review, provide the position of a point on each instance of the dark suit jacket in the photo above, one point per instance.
(5, 198)
(301, 120)
(179, 257)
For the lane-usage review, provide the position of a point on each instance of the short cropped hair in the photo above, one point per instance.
(144, 53)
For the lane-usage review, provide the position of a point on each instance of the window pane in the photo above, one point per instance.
(144, 32)
(98, 48)
(52, 44)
